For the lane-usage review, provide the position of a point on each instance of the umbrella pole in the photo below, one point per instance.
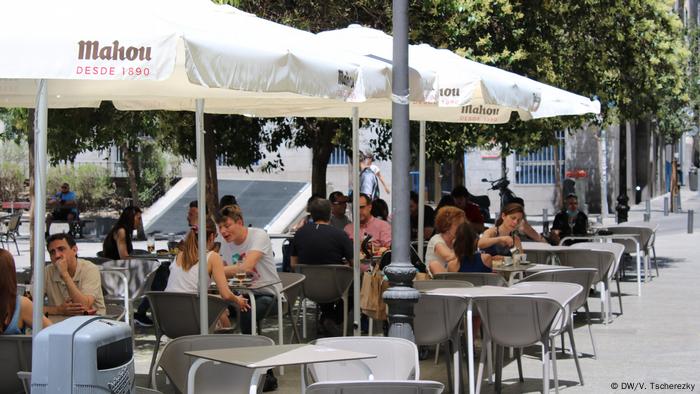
(356, 220)
(201, 219)
(40, 122)
(421, 188)
(401, 296)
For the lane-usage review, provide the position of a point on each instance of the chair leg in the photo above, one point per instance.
(151, 371)
(619, 293)
(437, 353)
(295, 329)
(16, 247)
(518, 354)
(545, 366)
(656, 265)
(590, 330)
(345, 314)
(303, 318)
(482, 358)
(499, 367)
(553, 355)
(573, 347)
(448, 362)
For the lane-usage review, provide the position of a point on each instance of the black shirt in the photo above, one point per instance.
(109, 246)
(321, 244)
(561, 223)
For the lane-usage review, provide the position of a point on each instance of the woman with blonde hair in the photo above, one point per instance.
(439, 254)
(501, 238)
(15, 309)
(184, 274)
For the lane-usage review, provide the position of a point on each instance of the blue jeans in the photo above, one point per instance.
(263, 304)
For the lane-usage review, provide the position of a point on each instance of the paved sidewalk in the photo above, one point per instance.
(655, 341)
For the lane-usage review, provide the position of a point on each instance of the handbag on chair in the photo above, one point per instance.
(371, 301)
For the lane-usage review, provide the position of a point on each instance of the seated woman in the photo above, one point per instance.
(117, 244)
(500, 239)
(184, 273)
(470, 259)
(439, 255)
(15, 309)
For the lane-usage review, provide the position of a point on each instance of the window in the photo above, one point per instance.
(537, 168)
(338, 157)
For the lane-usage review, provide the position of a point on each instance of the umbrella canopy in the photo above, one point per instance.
(164, 54)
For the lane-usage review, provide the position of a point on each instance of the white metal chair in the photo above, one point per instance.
(475, 278)
(397, 359)
(292, 290)
(326, 283)
(646, 238)
(377, 387)
(211, 377)
(523, 320)
(15, 357)
(10, 232)
(618, 251)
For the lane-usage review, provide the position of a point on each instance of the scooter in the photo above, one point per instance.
(507, 195)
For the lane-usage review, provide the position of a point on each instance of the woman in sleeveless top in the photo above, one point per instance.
(15, 309)
(500, 239)
(470, 259)
(439, 255)
(117, 244)
(184, 274)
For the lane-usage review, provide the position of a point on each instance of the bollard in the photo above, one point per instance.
(690, 221)
(647, 217)
(678, 203)
(665, 206)
(647, 208)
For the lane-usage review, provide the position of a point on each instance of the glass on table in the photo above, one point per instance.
(151, 244)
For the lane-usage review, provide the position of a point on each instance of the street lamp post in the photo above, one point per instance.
(401, 296)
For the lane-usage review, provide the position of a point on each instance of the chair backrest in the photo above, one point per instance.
(13, 223)
(645, 236)
(114, 311)
(325, 283)
(177, 314)
(291, 286)
(377, 387)
(617, 249)
(581, 276)
(140, 274)
(15, 356)
(517, 320)
(601, 260)
(397, 359)
(211, 378)
(96, 260)
(435, 284)
(437, 318)
(475, 278)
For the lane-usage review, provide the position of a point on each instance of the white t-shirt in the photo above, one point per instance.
(182, 281)
(430, 254)
(257, 239)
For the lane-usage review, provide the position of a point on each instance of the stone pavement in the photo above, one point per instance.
(655, 342)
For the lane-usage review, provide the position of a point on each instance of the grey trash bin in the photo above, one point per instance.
(693, 179)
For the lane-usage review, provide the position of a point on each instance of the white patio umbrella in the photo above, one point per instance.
(148, 55)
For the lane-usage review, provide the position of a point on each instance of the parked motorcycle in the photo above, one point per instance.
(507, 195)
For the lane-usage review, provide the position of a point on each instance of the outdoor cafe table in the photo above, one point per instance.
(249, 287)
(514, 270)
(552, 290)
(262, 358)
(630, 237)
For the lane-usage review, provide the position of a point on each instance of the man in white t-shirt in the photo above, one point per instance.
(248, 249)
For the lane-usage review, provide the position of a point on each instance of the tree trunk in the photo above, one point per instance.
(30, 146)
(557, 179)
(130, 160)
(321, 153)
(212, 178)
(504, 157)
(458, 173)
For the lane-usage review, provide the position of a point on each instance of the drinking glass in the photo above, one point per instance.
(151, 244)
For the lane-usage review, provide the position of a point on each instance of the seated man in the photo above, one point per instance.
(249, 250)
(339, 204)
(72, 285)
(321, 243)
(569, 221)
(379, 230)
(65, 207)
